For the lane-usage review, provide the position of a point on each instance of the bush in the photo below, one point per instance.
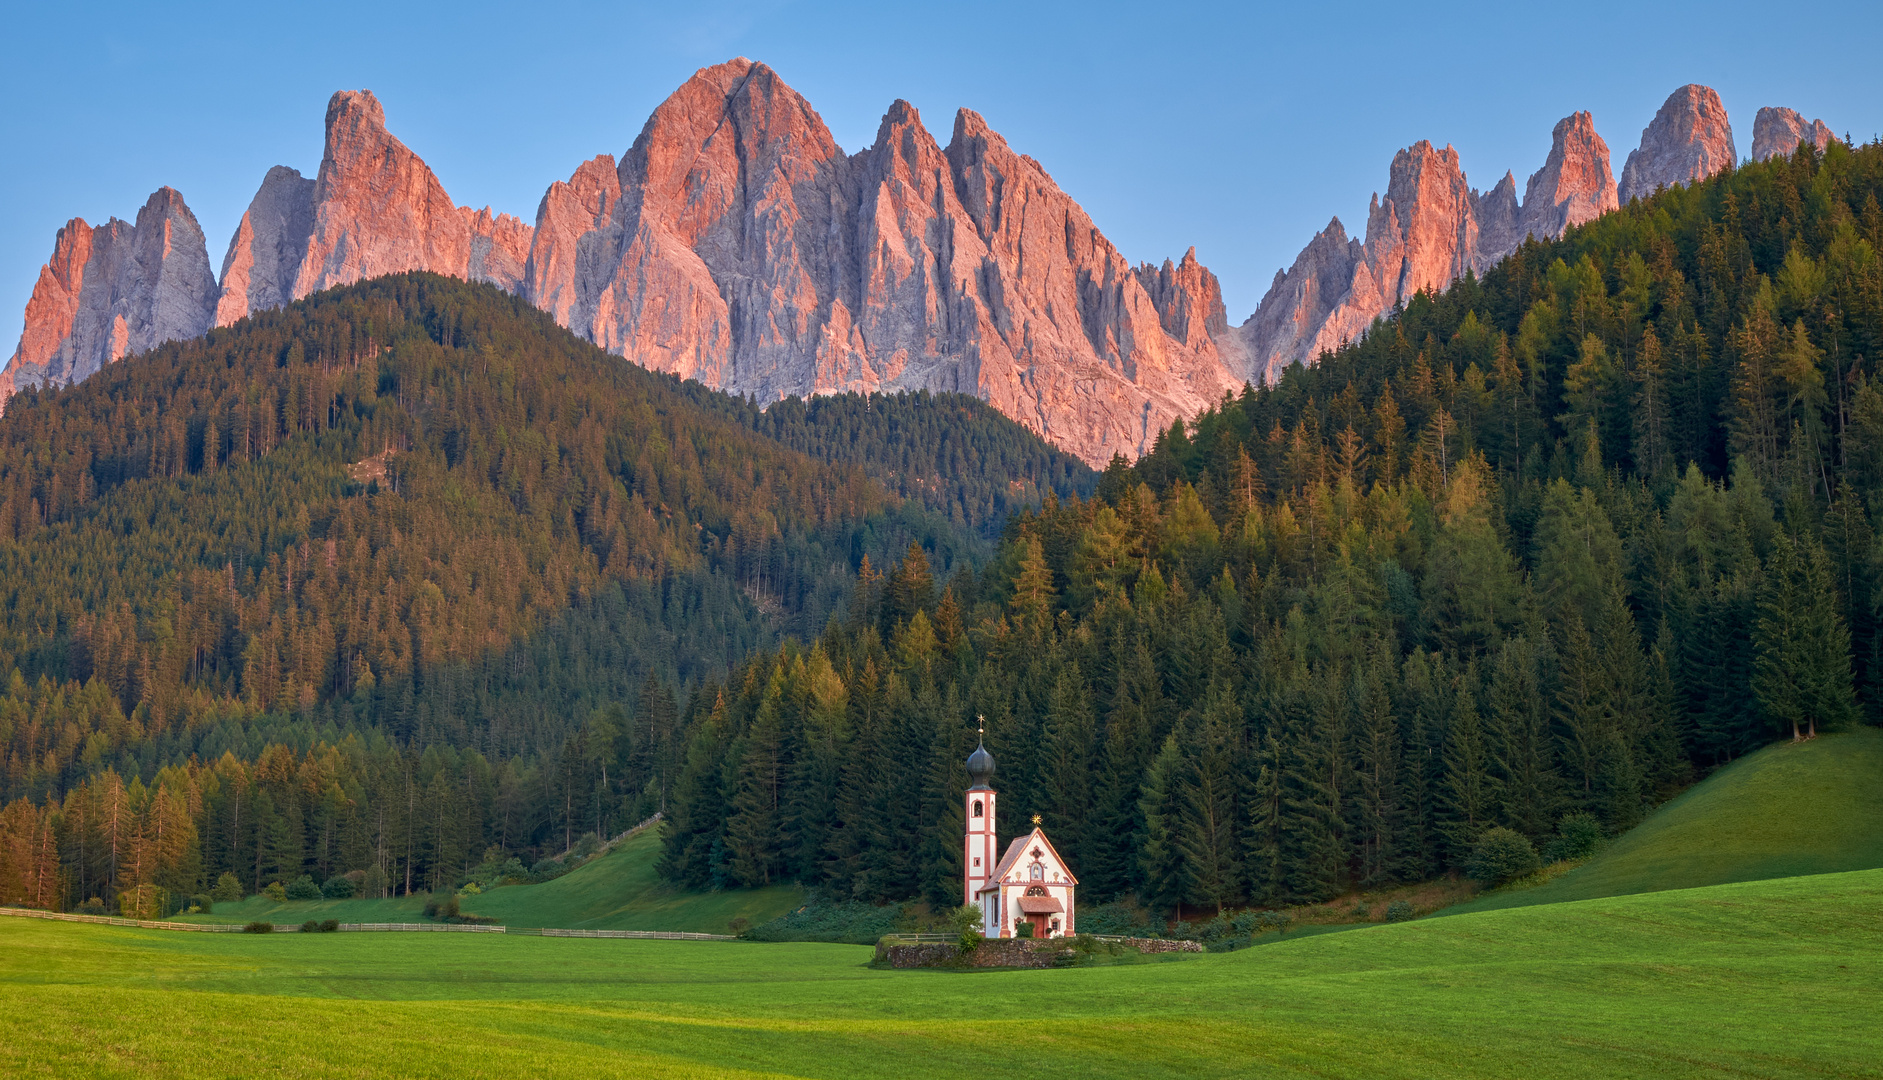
(259, 928)
(471, 888)
(442, 906)
(337, 888)
(1118, 919)
(202, 903)
(587, 845)
(1499, 856)
(1023, 928)
(1576, 838)
(967, 921)
(330, 926)
(276, 891)
(311, 926)
(303, 888)
(228, 890)
(546, 869)
(820, 919)
(94, 906)
(1398, 911)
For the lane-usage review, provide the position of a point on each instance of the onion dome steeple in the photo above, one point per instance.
(980, 766)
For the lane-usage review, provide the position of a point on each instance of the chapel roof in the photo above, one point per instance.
(1018, 848)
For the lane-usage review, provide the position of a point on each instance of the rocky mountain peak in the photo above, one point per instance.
(1689, 139)
(1428, 230)
(110, 291)
(269, 245)
(1778, 131)
(1574, 185)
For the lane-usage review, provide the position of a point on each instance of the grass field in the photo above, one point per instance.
(1807, 808)
(618, 891)
(1760, 979)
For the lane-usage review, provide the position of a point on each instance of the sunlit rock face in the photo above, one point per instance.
(737, 244)
(1776, 132)
(740, 246)
(1689, 139)
(1429, 229)
(110, 291)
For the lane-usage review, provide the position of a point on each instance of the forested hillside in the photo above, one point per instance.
(399, 575)
(1551, 543)
(379, 577)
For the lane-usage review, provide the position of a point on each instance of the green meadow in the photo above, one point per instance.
(617, 891)
(1756, 979)
(1792, 808)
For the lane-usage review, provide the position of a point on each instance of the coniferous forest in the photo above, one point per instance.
(404, 573)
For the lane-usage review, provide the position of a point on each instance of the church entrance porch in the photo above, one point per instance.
(1043, 911)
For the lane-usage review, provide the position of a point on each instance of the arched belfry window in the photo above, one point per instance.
(979, 811)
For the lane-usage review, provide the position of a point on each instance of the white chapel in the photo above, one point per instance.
(1029, 884)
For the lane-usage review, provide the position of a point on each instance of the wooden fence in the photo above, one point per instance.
(290, 928)
(107, 920)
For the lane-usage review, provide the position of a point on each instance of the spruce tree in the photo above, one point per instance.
(1801, 667)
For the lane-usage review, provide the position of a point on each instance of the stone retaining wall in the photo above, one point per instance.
(1012, 952)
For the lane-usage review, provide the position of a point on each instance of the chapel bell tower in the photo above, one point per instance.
(977, 863)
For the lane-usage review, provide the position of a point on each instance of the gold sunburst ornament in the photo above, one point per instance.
(1036, 819)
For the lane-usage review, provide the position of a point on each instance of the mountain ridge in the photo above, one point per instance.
(736, 243)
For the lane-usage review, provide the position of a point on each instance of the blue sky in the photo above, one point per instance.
(1239, 128)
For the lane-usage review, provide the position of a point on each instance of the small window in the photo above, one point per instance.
(978, 812)
(977, 864)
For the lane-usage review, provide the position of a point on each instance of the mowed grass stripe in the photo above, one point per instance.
(1762, 979)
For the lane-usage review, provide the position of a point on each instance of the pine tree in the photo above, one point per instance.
(1205, 833)
(1377, 816)
(1801, 667)
(1068, 806)
(1466, 791)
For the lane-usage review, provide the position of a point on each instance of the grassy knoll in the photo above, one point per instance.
(1771, 978)
(1806, 808)
(618, 891)
(621, 891)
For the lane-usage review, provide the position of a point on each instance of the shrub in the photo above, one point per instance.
(546, 869)
(1023, 929)
(1576, 838)
(302, 888)
(93, 906)
(739, 925)
(471, 888)
(259, 928)
(1398, 911)
(822, 919)
(330, 926)
(202, 903)
(1500, 855)
(587, 845)
(337, 888)
(442, 906)
(311, 926)
(1118, 919)
(228, 890)
(276, 891)
(966, 920)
